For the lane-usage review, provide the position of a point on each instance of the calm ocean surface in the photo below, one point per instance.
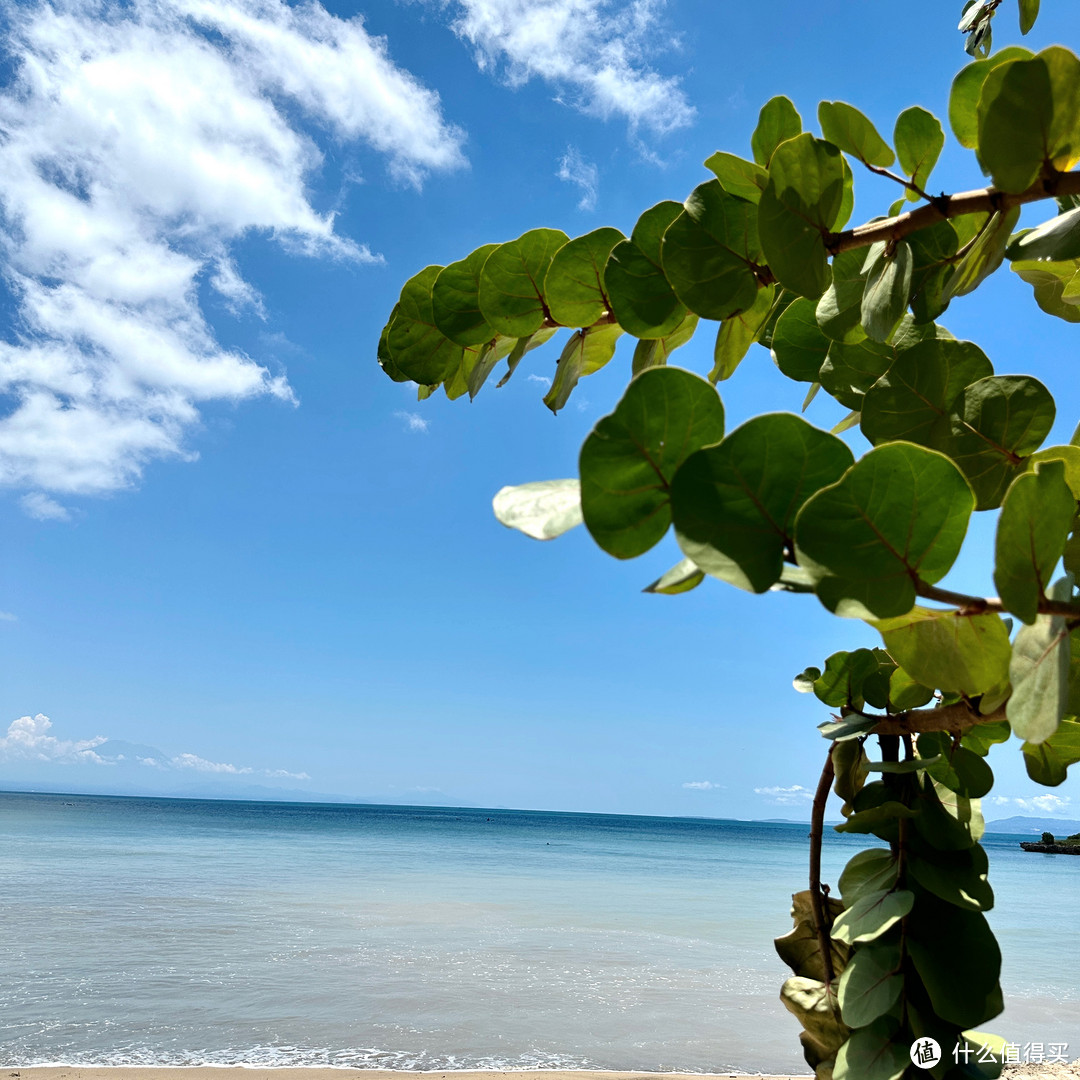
(185, 932)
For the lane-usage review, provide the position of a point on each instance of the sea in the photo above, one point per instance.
(184, 932)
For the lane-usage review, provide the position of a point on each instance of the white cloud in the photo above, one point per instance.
(193, 761)
(38, 505)
(543, 380)
(595, 50)
(785, 796)
(140, 142)
(574, 169)
(413, 421)
(1036, 804)
(28, 739)
(7, 616)
(702, 785)
(284, 773)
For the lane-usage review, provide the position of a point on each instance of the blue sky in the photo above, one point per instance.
(236, 556)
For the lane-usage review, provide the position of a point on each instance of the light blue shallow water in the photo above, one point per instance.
(183, 932)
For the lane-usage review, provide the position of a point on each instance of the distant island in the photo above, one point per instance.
(1048, 845)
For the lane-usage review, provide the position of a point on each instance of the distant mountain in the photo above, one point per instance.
(1034, 826)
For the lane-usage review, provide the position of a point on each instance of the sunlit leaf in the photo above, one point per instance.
(543, 509)
(511, 282)
(574, 283)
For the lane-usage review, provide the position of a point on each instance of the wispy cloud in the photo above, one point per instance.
(141, 141)
(574, 169)
(29, 738)
(594, 52)
(1039, 804)
(413, 421)
(702, 785)
(785, 796)
(41, 507)
(7, 616)
(543, 380)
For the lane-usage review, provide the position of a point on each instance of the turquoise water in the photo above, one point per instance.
(183, 932)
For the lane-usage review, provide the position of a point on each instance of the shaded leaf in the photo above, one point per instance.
(737, 333)
(654, 352)
(885, 294)
(898, 514)
(778, 121)
(455, 303)
(870, 984)
(1055, 240)
(870, 871)
(966, 88)
(734, 504)
(871, 1054)
(983, 257)
(841, 683)
(838, 312)
(799, 346)
(628, 461)
(957, 877)
(416, 346)
(1047, 762)
(682, 577)
(586, 352)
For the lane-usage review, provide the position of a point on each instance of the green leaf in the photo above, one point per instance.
(778, 121)
(885, 295)
(543, 509)
(523, 346)
(919, 389)
(511, 282)
(586, 352)
(932, 250)
(898, 514)
(574, 283)
(945, 819)
(737, 175)
(738, 332)
(846, 127)
(1047, 762)
(957, 877)
(1029, 12)
(797, 211)
(984, 256)
(958, 769)
(628, 461)
(919, 140)
(841, 683)
(799, 347)
(383, 355)
(641, 297)
(851, 771)
(1029, 117)
(957, 959)
(871, 1054)
(682, 577)
(870, 984)
(416, 346)
(654, 352)
(1055, 240)
(872, 913)
(850, 370)
(455, 303)
(848, 727)
(709, 252)
(981, 737)
(1039, 673)
(1050, 280)
(804, 681)
(991, 427)
(800, 949)
(1036, 517)
(734, 504)
(481, 362)
(964, 96)
(839, 311)
(870, 871)
(965, 654)
(906, 693)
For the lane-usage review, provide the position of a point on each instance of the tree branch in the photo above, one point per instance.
(979, 605)
(943, 207)
(951, 718)
(817, 903)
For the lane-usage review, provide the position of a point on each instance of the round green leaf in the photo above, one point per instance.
(846, 127)
(799, 346)
(964, 654)
(709, 251)
(455, 300)
(886, 292)
(919, 140)
(1055, 240)
(511, 282)
(871, 915)
(574, 283)
(543, 509)
(991, 427)
(870, 984)
(641, 297)
(418, 349)
(897, 515)
(1036, 519)
(383, 355)
(966, 87)
(798, 209)
(872, 870)
(778, 121)
(738, 176)
(628, 461)
(839, 311)
(958, 877)
(919, 388)
(734, 505)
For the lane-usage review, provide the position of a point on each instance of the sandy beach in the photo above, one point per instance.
(148, 1072)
